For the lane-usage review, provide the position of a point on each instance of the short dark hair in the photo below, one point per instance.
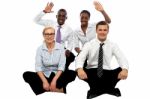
(62, 10)
(102, 23)
(85, 11)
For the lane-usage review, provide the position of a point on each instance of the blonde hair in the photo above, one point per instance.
(46, 28)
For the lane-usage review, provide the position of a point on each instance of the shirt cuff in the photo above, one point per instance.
(69, 49)
(43, 13)
(37, 69)
(125, 67)
(79, 65)
(61, 68)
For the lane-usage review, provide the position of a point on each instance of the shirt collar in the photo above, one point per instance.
(56, 47)
(97, 40)
(88, 27)
(61, 25)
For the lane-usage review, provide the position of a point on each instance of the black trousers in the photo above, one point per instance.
(107, 82)
(36, 83)
(69, 60)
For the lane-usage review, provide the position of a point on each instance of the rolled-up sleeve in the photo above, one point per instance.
(70, 39)
(76, 39)
(38, 61)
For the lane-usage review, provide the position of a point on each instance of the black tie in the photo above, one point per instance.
(100, 61)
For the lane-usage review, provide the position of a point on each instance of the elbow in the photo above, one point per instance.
(109, 21)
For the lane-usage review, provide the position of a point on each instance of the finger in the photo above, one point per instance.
(125, 77)
(98, 3)
(47, 4)
(86, 76)
(50, 88)
(95, 2)
(119, 76)
(52, 4)
(46, 89)
(81, 77)
(52, 11)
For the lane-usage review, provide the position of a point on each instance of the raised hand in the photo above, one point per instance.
(48, 8)
(98, 6)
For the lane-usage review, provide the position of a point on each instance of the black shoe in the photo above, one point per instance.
(91, 95)
(115, 92)
(64, 90)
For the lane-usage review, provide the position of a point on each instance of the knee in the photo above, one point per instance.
(26, 76)
(72, 74)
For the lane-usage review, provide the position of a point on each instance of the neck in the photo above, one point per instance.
(84, 28)
(102, 40)
(50, 45)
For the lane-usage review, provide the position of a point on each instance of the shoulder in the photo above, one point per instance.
(77, 31)
(40, 48)
(90, 43)
(92, 25)
(111, 44)
(93, 41)
(65, 26)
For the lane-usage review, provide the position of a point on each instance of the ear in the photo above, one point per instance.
(108, 31)
(56, 16)
(66, 17)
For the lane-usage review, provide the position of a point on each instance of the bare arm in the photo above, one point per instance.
(99, 7)
(45, 22)
(53, 83)
(44, 80)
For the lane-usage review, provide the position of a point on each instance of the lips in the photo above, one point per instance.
(102, 34)
(83, 21)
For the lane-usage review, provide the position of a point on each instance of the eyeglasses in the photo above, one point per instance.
(49, 34)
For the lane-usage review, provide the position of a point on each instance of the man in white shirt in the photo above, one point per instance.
(66, 31)
(86, 31)
(109, 77)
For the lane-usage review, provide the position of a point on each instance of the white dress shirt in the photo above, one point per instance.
(66, 31)
(50, 62)
(80, 36)
(90, 51)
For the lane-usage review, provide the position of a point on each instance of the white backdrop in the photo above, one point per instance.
(20, 37)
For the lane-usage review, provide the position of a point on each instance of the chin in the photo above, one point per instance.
(49, 41)
(83, 23)
(102, 39)
(61, 23)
